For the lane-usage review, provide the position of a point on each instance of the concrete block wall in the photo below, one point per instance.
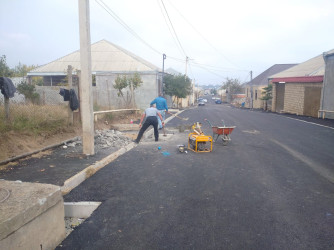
(294, 98)
(105, 95)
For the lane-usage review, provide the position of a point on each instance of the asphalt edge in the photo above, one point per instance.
(37, 151)
(84, 174)
(89, 171)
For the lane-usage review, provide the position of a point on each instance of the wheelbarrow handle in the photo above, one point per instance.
(208, 122)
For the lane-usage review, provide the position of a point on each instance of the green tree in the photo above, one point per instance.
(232, 85)
(135, 81)
(122, 82)
(5, 71)
(213, 91)
(178, 86)
(21, 70)
(28, 91)
(267, 95)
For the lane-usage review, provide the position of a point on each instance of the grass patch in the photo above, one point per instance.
(34, 118)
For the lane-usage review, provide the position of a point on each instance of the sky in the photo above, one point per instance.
(221, 39)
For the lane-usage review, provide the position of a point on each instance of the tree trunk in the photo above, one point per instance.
(132, 96)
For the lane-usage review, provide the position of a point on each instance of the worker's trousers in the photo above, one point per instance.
(163, 114)
(151, 120)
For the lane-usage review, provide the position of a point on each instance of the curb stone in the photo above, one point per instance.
(77, 179)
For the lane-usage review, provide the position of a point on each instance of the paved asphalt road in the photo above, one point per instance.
(272, 187)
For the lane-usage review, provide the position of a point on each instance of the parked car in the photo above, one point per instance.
(201, 103)
(218, 102)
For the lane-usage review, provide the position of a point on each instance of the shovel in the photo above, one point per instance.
(163, 127)
(185, 119)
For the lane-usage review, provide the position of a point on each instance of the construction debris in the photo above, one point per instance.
(104, 139)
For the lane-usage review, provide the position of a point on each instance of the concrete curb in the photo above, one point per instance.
(37, 151)
(77, 179)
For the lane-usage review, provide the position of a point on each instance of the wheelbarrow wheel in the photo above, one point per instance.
(225, 139)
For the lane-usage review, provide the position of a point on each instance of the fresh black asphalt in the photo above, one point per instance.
(54, 166)
(271, 187)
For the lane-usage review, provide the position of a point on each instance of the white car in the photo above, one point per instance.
(205, 100)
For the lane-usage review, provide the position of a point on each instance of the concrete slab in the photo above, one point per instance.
(24, 211)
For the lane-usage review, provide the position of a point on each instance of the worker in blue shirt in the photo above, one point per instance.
(161, 105)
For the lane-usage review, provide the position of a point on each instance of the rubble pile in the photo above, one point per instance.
(105, 139)
(110, 138)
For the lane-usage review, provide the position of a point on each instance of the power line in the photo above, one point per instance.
(121, 22)
(199, 66)
(173, 28)
(168, 26)
(132, 32)
(203, 37)
(219, 68)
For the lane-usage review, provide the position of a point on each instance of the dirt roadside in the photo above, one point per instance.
(14, 144)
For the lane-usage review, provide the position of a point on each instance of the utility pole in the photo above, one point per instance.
(163, 74)
(86, 98)
(251, 89)
(187, 59)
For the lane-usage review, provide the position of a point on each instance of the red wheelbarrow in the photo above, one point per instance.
(223, 131)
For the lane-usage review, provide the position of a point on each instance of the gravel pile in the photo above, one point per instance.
(105, 139)
(110, 138)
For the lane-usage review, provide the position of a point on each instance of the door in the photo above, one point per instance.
(312, 101)
(280, 92)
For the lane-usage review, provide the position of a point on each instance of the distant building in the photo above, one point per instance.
(108, 62)
(254, 89)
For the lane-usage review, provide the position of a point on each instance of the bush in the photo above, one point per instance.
(28, 91)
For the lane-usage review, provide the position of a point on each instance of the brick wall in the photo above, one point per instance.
(294, 97)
